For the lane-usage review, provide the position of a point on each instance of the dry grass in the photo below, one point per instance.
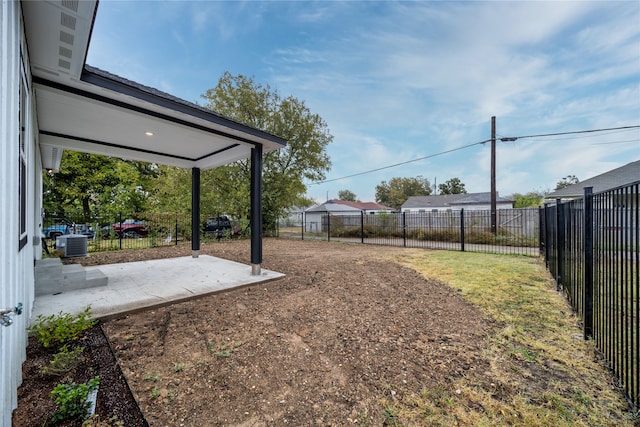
(539, 339)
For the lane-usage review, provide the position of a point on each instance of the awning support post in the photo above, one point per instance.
(256, 210)
(195, 212)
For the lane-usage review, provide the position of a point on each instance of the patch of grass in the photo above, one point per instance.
(150, 377)
(178, 367)
(155, 393)
(532, 349)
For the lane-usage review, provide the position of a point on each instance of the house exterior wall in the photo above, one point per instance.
(466, 207)
(16, 260)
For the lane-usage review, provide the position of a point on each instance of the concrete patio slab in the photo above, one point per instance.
(141, 285)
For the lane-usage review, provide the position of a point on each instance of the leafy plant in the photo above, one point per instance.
(63, 361)
(61, 328)
(71, 399)
(155, 393)
(178, 367)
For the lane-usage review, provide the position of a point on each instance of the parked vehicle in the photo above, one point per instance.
(83, 229)
(129, 229)
(57, 228)
(217, 226)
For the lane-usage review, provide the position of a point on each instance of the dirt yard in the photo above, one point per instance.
(345, 330)
(341, 337)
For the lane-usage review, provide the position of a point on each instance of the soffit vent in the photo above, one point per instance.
(67, 21)
(70, 4)
(64, 64)
(66, 38)
(63, 51)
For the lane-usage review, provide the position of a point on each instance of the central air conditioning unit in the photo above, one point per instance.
(73, 245)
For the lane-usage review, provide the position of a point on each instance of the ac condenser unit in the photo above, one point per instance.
(73, 245)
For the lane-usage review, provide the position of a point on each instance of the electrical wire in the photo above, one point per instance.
(502, 139)
(399, 164)
(513, 138)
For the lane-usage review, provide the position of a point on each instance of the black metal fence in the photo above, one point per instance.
(517, 230)
(130, 230)
(591, 248)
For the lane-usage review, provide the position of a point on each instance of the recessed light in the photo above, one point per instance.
(148, 133)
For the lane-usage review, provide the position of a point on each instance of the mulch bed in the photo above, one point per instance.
(114, 402)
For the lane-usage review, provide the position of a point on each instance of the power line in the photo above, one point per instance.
(401, 163)
(502, 139)
(513, 138)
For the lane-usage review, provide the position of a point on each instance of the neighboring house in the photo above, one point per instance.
(293, 217)
(623, 175)
(52, 101)
(453, 202)
(315, 217)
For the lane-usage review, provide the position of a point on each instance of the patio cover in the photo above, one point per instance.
(85, 109)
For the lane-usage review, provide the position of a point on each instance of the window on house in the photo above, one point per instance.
(22, 164)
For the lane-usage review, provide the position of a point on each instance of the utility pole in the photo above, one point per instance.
(493, 175)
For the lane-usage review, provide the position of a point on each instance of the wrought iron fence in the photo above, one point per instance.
(133, 230)
(591, 248)
(517, 231)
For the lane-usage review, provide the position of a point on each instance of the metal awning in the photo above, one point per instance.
(85, 109)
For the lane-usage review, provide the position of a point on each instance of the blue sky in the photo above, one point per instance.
(397, 81)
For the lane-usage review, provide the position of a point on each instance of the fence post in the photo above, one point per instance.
(588, 262)
(547, 240)
(541, 242)
(176, 229)
(462, 230)
(404, 229)
(120, 228)
(328, 227)
(559, 243)
(362, 227)
(304, 220)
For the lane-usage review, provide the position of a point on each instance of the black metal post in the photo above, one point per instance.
(176, 229)
(256, 210)
(588, 262)
(362, 227)
(547, 240)
(462, 230)
(494, 226)
(304, 221)
(120, 228)
(559, 243)
(328, 227)
(195, 212)
(404, 229)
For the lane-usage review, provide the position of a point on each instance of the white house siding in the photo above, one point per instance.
(16, 266)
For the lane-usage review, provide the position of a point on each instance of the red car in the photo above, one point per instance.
(130, 229)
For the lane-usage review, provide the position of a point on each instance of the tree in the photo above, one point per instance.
(567, 181)
(398, 190)
(347, 195)
(452, 186)
(284, 171)
(530, 200)
(93, 183)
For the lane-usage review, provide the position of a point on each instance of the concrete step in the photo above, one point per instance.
(48, 267)
(96, 278)
(52, 277)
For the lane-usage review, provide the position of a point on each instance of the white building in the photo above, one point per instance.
(453, 202)
(52, 101)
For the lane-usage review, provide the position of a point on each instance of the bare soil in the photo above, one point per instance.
(344, 332)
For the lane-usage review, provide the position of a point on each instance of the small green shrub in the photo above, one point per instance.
(63, 361)
(71, 400)
(61, 328)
